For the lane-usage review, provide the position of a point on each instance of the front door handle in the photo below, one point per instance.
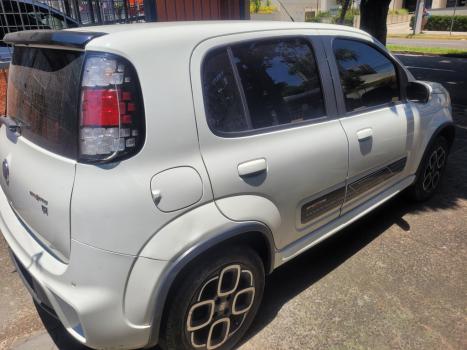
(365, 134)
(252, 167)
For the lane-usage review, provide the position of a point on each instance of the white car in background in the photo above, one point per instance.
(153, 174)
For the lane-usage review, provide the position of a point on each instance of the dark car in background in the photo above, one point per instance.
(17, 15)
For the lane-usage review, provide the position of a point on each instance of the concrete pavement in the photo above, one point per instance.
(449, 71)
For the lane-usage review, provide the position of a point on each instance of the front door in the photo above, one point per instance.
(374, 117)
(268, 134)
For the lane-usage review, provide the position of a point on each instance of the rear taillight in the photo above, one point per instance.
(111, 113)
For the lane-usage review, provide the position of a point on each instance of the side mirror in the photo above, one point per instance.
(418, 92)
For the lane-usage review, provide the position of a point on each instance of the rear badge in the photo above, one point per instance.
(6, 172)
(43, 202)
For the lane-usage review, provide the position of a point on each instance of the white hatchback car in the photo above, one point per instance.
(152, 174)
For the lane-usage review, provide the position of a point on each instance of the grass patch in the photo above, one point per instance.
(429, 36)
(428, 50)
(399, 12)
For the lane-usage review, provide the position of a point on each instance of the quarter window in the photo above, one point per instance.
(368, 77)
(223, 105)
(275, 81)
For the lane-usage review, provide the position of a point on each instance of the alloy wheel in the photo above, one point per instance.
(433, 168)
(220, 307)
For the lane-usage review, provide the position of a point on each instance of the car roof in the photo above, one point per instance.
(200, 30)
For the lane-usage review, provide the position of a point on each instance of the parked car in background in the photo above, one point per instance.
(153, 174)
(18, 15)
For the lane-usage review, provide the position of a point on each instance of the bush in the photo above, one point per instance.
(262, 7)
(443, 23)
(326, 17)
(399, 12)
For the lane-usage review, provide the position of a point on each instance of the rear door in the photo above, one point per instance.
(38, 159)
(267, 129)
(376, 119)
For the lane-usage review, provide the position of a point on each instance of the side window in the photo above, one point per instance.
(367, 76)
(279, 81)
(223, 104)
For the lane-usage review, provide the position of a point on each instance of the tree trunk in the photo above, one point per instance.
(373, 14)
(345, 7)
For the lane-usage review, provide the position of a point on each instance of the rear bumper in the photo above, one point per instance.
(87, 294)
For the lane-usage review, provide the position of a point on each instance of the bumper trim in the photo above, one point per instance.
(34, 288)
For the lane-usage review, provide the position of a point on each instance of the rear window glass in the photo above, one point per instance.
(262, 84)
(43, 93)
(223, 103)
(281, 81)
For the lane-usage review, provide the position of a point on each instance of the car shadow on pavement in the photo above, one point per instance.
(299, 274)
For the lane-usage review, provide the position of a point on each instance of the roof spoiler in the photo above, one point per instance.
(73, 39)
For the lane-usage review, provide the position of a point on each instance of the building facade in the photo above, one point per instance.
(188, 10)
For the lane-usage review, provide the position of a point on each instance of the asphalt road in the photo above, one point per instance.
(396, 279)
(445, 44)
(449, 71)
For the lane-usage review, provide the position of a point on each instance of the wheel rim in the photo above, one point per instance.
(434, 166)
(220, 307)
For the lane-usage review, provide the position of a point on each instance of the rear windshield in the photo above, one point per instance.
(43, 93)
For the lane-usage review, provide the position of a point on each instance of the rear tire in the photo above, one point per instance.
(214, 300)
(430, 172)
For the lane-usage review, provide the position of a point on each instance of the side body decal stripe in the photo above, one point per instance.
(332, 200)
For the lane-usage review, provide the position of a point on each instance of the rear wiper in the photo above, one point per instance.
(13, 124)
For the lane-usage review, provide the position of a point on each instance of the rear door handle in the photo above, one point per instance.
(365, 134)
(252, 167)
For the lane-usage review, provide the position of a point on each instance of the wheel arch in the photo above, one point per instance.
(254, 234)
(446, 130)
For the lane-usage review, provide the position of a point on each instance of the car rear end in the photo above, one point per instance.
(68, 107)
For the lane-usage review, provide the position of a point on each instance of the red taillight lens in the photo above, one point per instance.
(112, 118)
(100, 107)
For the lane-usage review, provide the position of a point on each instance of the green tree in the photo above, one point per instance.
(256, 5)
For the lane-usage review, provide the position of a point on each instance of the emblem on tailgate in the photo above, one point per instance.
(6, 171)
(44, 203)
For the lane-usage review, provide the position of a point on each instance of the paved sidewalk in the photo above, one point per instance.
(404, 28)
(399, 28)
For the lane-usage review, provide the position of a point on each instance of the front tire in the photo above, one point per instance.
(214, 300)
(430, 171)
